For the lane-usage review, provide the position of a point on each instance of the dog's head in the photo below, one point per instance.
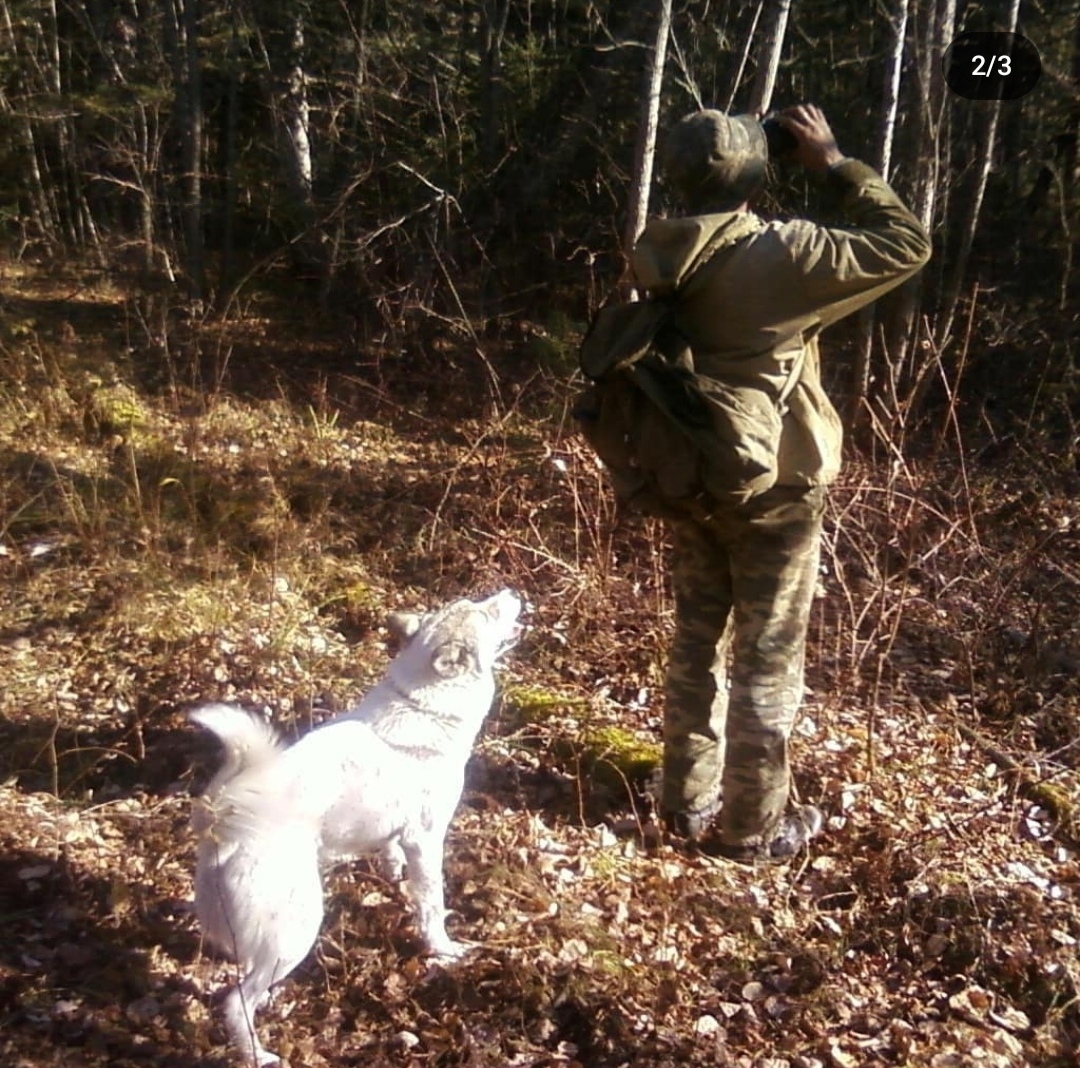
(463, 638)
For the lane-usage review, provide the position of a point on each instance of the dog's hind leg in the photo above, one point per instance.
(280, 929)
(243, 1001)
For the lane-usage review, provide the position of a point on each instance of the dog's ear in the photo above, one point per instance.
(452, 658)
(403, 625)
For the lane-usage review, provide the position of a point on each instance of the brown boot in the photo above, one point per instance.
(692, 824)
(793, 834)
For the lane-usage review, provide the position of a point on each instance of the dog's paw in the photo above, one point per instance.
(392, 866)
(449, 951)
(258, 1058)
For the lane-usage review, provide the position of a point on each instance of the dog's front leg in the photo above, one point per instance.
(392, 861)
(424, 860)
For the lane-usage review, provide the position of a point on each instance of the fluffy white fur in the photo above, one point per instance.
(385, 777)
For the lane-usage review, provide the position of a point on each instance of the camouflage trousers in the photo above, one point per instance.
(744, 581)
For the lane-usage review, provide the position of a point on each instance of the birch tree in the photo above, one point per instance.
(772, 47)
(284, 48)
(40, 193)
(645, 153)
(958, 268)
(938, 24)
(748, 44)
(894, 64)
(934, 23)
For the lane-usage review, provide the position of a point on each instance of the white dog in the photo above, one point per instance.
(386, 777)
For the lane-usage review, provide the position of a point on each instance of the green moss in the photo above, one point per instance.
(618, 753)
(116, 409)
(534, 704)
(359, 603)
(611, 755)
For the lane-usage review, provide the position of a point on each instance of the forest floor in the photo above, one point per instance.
(229, 510)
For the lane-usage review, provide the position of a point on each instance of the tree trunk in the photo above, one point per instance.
(495, 14)
(769, 63)
(955, 278)
(747, 46)
(1071, 141)
(938, 25)
(193, 208)
(645, 152)
(893, 70)
(181, 34)
(284, 50)
(40, 204)
(936, 20)
(67, 170)
(228, 237)
(295, 115)
(860, 393)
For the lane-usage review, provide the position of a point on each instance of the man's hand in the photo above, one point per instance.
(817, 149)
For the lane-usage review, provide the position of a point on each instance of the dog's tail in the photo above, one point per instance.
(248, 740)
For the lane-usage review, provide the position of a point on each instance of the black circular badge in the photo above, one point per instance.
(988, 65)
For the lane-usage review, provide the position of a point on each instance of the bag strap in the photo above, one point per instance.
(630, 328)
(792, 380)
(731, 236)
(722, 239)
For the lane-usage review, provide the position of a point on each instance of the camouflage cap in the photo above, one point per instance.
(715, 159)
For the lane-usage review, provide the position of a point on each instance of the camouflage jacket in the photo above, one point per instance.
(766, 296)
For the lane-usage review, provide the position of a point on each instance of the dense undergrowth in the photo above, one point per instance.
(192, 511)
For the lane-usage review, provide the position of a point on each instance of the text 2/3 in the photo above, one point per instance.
(991, 65)
(984, 67)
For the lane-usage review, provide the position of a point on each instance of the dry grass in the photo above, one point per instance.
(236, 525)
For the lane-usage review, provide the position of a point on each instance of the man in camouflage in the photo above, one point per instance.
(744, 575)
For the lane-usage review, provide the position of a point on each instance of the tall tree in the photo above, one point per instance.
(748, 44)
(772, 47)
(928, 140)
(40, 193)
(494, 15)
(897, 20)
(181, 20)
(231, 150)
(894, 65)
(285, 55)
(645, 152)
(954, 279)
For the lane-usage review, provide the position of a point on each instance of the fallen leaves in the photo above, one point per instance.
(250, 550)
